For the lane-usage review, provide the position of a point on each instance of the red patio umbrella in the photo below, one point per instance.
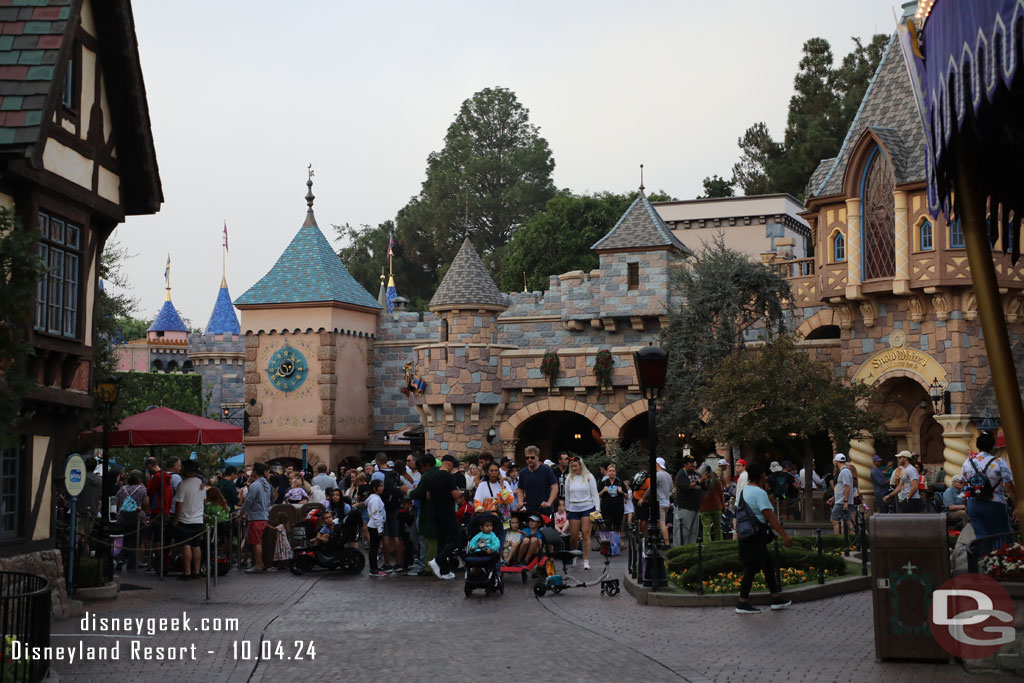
(167, 427)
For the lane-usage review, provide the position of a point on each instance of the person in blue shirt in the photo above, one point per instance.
(953, 503)
(754, 552)
(485, 542)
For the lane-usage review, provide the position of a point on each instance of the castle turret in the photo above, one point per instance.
(461, 368)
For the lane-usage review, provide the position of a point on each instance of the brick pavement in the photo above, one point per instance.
(418, 627)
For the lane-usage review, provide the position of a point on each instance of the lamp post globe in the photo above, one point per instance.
(651, 369)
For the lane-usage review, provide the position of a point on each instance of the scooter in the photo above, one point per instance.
(557, 582)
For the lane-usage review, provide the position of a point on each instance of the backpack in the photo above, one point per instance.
(392, 494)
(747, 523)
(129, 504)
(780, 484)
(979, 486)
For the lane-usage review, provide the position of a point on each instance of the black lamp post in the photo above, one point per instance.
(651, 367)
(106, 392)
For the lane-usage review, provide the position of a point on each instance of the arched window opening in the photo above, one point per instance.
(925, 237)
(838, 248)
(878, 217)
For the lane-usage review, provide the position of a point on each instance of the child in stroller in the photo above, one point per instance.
(318, 542)
(483, 555)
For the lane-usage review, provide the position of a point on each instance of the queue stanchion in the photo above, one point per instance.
(821, 558)
(206, 539)
(863, 544)
(700, 560)
(216, 550)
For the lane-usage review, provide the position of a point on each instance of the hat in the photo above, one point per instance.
(450, 458)
(661, 462)
(723, 463)
(957, 478)
(686, 459)
(534, 518)
(549, 463)
(905, 454)
(876, 459)
(775, 466)
(741, 461)
(391, 463)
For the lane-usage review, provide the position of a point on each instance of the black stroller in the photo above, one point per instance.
(335, 554)
(483, 571)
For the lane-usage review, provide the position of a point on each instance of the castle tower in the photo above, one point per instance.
(309, 330)
(218, 354)
(165, 348)
(461, 368)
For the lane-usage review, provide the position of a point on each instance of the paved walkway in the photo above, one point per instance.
(408, 628)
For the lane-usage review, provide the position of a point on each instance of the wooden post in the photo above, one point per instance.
(971, 203)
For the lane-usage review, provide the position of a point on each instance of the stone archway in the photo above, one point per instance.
(509, 428)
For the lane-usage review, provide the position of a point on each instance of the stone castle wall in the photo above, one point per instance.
(397, 336)
(220, 360)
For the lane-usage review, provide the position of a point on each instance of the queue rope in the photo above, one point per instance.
(152, 548)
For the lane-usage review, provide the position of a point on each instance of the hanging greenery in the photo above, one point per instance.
(549, 367)
(603, 368)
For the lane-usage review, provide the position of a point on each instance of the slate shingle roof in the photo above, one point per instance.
(223, 319)
(30, 42)
(640, 227)
(168, 320)
(308, 271)
(889, 109)
(824, 166)
(467, 282)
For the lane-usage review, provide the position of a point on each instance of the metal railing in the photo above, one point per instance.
(980, 547)
(24, 623)
(801, 267)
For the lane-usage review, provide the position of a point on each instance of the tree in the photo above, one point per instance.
(114, 321)
(727, 299)
(821, 110)
(774, 395)
(366, 252)
(493, 172)
(20, 269)
(717, 186)
(758, 153)
(558, 239)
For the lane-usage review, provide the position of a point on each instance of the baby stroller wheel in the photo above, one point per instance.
(468, 591)
(539, 589)
(300, 564)
(352, 561)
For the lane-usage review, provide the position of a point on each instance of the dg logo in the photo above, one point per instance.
(972, 616)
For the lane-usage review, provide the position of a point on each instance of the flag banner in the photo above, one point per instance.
(225, 236)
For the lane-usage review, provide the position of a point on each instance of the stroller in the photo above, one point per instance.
(483, 571)
(335, 554)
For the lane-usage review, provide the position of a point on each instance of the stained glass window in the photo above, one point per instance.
(878, 208)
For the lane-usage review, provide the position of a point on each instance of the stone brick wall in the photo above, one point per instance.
(223, 371)
(397, 336)
(50, 565)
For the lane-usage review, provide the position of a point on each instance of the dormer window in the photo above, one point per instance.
(633, 275)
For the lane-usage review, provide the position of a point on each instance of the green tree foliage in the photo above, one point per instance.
(493, 172)
(114, 321)
(774, 394)
(20, 268)
(558, 239)
(365, 254)
(821, 110)
(727, 299)
(717, 186)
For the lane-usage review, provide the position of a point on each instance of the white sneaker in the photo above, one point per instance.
(448, 577)
(586, 564)
(435, 569)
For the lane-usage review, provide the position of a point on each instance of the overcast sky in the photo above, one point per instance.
(243, 95)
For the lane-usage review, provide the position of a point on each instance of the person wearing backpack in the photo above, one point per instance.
(988, 483)
(755, 520)
(131, 513)
(392, 494)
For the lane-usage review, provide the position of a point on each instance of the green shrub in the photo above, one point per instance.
(723, 556)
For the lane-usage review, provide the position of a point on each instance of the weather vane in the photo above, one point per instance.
(311, 173)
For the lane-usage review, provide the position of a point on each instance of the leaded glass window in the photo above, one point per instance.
(878, 208)
(57, 290)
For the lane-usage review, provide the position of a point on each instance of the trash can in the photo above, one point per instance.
(910, 560)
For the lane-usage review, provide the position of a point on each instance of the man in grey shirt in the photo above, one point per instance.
(324, 480)
(664, 484)
(843, 495)
(256, 508)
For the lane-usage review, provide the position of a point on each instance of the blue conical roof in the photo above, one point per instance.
(168, 320)
(308, 271)
(223, 319)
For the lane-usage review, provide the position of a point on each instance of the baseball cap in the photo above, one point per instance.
(905, 454)
(723, 463)
(549, 463)
(450, 458)
(775, 466)
(876, 459)
(661, 462)
(839, 458)
(741, 461)
(686, 459)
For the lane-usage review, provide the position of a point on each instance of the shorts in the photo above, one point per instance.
(579, 515)
(839, 514)
(254, 532)
(190, 534)
(392, 524)
(662, 514)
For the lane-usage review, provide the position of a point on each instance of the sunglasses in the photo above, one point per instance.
(531, 457)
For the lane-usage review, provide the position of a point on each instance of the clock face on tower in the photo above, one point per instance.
(287, 369)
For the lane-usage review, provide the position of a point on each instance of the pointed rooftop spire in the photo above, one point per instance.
(223, 319)
(641, 178)
(640, 228)
(382, 295)
(310, 218)
(467, 284)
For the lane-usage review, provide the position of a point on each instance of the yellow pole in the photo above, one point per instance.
(971, 201)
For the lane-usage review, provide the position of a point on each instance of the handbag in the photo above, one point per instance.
(747, 524)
